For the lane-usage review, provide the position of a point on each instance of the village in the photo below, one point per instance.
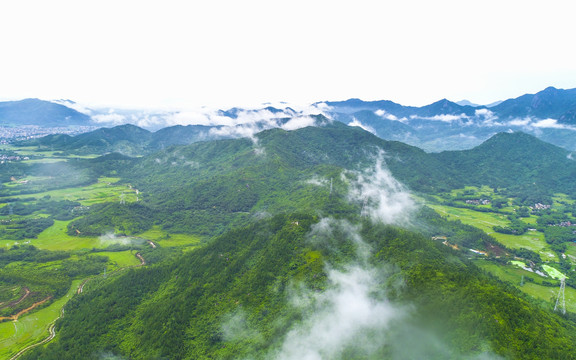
(11, 134)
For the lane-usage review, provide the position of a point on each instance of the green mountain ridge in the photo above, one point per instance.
(292, 238)
(182, 309)
(509, 159)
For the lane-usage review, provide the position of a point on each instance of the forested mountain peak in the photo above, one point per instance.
(519, 142)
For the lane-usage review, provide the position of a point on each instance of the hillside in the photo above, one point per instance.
(283, 170)
(296, 243)
(41, 113)
(512, 160)
(549, 103)
(127, 139)
(267, 290)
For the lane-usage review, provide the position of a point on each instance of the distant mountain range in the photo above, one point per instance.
(39, 112)
(444, 125)
(501, 161)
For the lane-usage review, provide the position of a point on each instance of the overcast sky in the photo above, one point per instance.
(243, 52)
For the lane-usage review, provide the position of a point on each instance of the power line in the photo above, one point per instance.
(561, 300)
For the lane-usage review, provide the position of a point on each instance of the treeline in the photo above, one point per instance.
(44, 273)
(57, 209)
(20, 229)
(124, 219)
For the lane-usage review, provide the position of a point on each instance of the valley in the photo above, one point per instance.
(25, 322)
(537, 281)
(195, 250)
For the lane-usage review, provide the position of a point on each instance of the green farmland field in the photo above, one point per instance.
(531, 240)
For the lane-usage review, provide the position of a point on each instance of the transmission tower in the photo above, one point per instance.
(122, 200)
(330, 187)
(363, 212)
(561, 300)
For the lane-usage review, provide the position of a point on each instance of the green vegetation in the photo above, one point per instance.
(229, 230)
(177, 309)
(29, 330)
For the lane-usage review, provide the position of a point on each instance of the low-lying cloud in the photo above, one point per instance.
(353, 312)
(386, 115)
(551, 124)
(110, 238)
(383, 198)
(357, 123)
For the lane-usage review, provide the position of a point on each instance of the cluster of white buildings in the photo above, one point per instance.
(9, 134)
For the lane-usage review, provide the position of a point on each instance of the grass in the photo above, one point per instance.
(87, 195)
(513, 275)
(552, 272)
(531, 240)
(162, 238)
(31, 328)
(119, 259)
(46, 154)
(56, 238)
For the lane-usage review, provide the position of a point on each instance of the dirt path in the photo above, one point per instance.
(81, 287)
(22, 298)
(142, 261)
(49, 338)
(53, 324)
(22, 312)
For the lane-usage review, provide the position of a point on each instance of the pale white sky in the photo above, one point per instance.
(228, 52)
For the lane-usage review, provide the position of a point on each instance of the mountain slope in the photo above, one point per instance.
(127, 139)
(259, 291)
(514, 159)
(179, 135)
(41, 113)
(549, 103)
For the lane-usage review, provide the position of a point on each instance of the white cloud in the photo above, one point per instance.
(298, 123)
(348, 313)
(111, 239)
(483, 112)
(551, 124)
(110, 118)
(386, 115)
(488, 117)
(343, 316)
(74, 105)
(520, 122)
(448, 117)
(357, 123)
(383, 198)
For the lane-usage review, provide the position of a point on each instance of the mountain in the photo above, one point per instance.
(180, 135)
(444, 107)
(127, 139)
(276, 174)
(265, 290)
(282, 171)
(549, 103)
(40, 113)
(298, 262)
(467, 103)
(380, 125)
(510, 159)
(443, 125)
(354, 105)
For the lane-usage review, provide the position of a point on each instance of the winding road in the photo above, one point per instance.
(49, 338)
(51, 328)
